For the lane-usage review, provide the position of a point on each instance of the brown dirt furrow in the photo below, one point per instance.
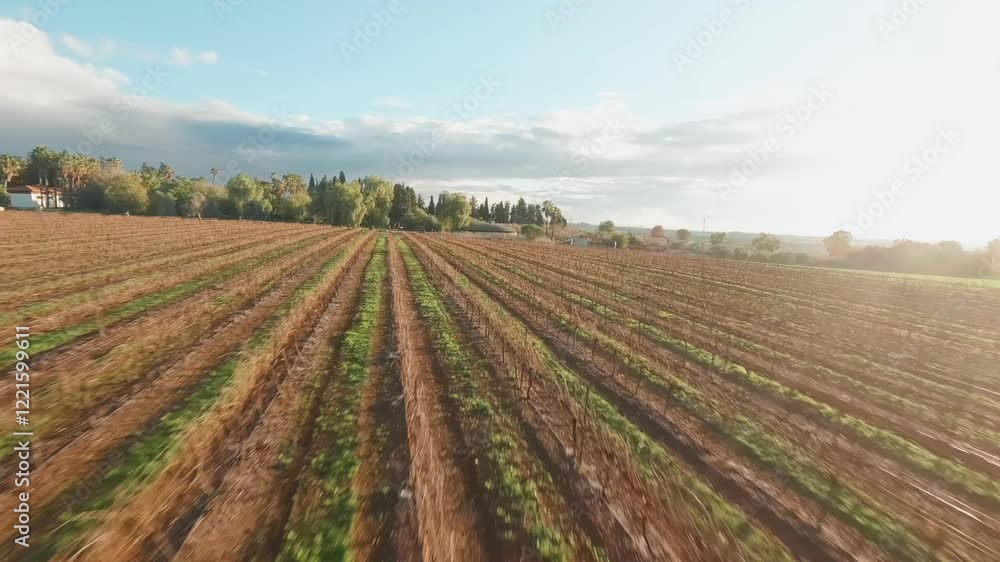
(385, 526)
(446, 511)
(633, 520)
(249, 506)
(140, 266)
(65, 365)
(99, 386)
(826, 447)
(153, 524)
(99, 301)
(97, 436)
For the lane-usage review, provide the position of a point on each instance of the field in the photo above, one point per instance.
(205, 390)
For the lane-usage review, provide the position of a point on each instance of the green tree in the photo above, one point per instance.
(112, 164)
(718, 238)
(343, 204)
(766, 243)
(404, 201)
(419, 221)
(40, 163)
(378, 194)
(606, 228)
(215, 172)
(431, 207)
(162, 204)
(343, 178)
(553, 217)
(166, 173)
(244, 192)
(124, 193)
(483, 213)
(453, 211)
(500, 213)
(193, 205)
(44, 164)
(10, 167)
(519, 214)
(658, 232)
(294, 207)
(838, 244)
(619, 240)
(684, 235)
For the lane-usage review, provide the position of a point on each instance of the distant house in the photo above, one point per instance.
(34, 197)
(578, 241)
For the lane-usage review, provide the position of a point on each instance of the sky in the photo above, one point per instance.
(875, 116)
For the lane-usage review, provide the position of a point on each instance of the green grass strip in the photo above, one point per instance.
(145, 458)
(49, 341)
(705, 508)
(766, 449)
(326, 534)
(519, 489)
(952, 472)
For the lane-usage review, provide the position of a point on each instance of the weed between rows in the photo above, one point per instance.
(518, 480)
(767, 450)
(706, 509)
(326, 534)
(51, 340)
(144, 459)
(949, 470)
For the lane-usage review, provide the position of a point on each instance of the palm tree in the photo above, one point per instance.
(214, 172)
(10, 166)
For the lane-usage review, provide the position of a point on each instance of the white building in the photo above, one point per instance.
(34, 197)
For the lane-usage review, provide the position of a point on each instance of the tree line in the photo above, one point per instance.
(84, 183)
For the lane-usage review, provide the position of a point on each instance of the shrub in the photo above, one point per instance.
(125, 194)
(162, 204)
(90, 197)
(532, 231)
(479, 226)
(419, 220)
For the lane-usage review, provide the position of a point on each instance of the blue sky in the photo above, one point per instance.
(674, 134)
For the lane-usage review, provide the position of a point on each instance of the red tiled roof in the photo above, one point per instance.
(34, 189)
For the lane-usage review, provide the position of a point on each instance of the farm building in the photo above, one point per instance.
(34, 197)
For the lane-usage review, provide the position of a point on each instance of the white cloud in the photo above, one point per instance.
(649, 172)
(99, 48)
(256, 71)
(390, 103)
(186, 58)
